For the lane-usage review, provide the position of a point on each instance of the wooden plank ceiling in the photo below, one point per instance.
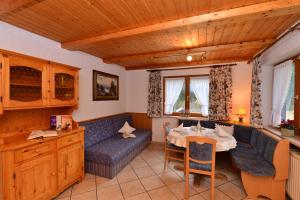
(140, 34)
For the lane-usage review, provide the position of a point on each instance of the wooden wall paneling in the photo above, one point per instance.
(141, 120)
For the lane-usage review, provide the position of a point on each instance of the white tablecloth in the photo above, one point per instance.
(223, 143)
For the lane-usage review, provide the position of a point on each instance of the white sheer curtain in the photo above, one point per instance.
(200, 87)
(281, 82)
(173, 88)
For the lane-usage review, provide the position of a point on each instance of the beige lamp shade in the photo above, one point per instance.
(241, 110)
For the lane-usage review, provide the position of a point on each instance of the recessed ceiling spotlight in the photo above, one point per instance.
(189, 58)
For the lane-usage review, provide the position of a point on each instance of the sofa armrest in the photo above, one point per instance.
(281, 160)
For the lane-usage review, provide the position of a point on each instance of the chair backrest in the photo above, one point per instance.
(201, 150)
(166, 127)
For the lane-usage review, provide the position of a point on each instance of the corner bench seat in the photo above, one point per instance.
(256, 157)
(106, 151)
(113, 149)
(261, 157)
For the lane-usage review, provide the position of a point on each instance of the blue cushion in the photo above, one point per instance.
(188, 122)
(97, 131)
(201, 152)
(244, 149)
(112, 150)
(204, 123)
(204, 167)
(243, 133)
(270, 149)
(254, 165)
(119, 121)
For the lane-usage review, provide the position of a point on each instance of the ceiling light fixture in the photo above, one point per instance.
(189, 58)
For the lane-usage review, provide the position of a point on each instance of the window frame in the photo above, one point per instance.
(187, 79)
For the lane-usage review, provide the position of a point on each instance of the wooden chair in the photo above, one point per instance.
(172, 149)
(200, 159)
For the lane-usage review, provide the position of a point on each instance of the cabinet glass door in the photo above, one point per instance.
(63, 85)
(25, 83)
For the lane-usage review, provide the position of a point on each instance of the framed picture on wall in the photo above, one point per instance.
(105, 86)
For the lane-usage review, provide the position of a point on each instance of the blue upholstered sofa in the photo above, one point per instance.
(261, 157)
(106, 151)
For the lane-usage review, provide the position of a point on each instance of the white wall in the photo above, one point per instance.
(285, 48)
(137, 91)
(21, 41)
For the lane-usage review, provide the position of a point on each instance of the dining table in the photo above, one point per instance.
(177, 137)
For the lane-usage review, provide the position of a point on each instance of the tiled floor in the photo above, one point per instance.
(144, 179)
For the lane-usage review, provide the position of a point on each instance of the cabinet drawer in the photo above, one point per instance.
(33, 151)
(67, 140)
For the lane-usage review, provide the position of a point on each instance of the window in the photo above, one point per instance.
(186, 94)
(283, 107)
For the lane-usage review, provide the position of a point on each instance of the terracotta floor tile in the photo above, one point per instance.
(138, 164)
(85, 186)
(199, 184)
(153, 161)
(105, 182)
(127, 168)
(170, 178)
(232, 191)
(143, 196)
(132, 188)
(110, 193)
(152, 182)
(159, 168)
(218, 195)
(65, 194)
(92, 195)
(126, 176)
(196, 197)
(163, 193)
(179, 189)
(89, 176)
(144, 172)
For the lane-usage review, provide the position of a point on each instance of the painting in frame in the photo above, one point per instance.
(105, 86)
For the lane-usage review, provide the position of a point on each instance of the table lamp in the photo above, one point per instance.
(241, 112)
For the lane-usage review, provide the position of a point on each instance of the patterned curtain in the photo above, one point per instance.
(154, 95)
(255, 109)
(220, 93)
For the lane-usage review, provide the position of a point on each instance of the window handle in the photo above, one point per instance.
(296, 97)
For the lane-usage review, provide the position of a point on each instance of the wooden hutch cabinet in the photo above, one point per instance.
(34, 83)
(31, 90)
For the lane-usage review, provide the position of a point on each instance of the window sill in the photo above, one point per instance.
(293, 140)
(182, 117)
